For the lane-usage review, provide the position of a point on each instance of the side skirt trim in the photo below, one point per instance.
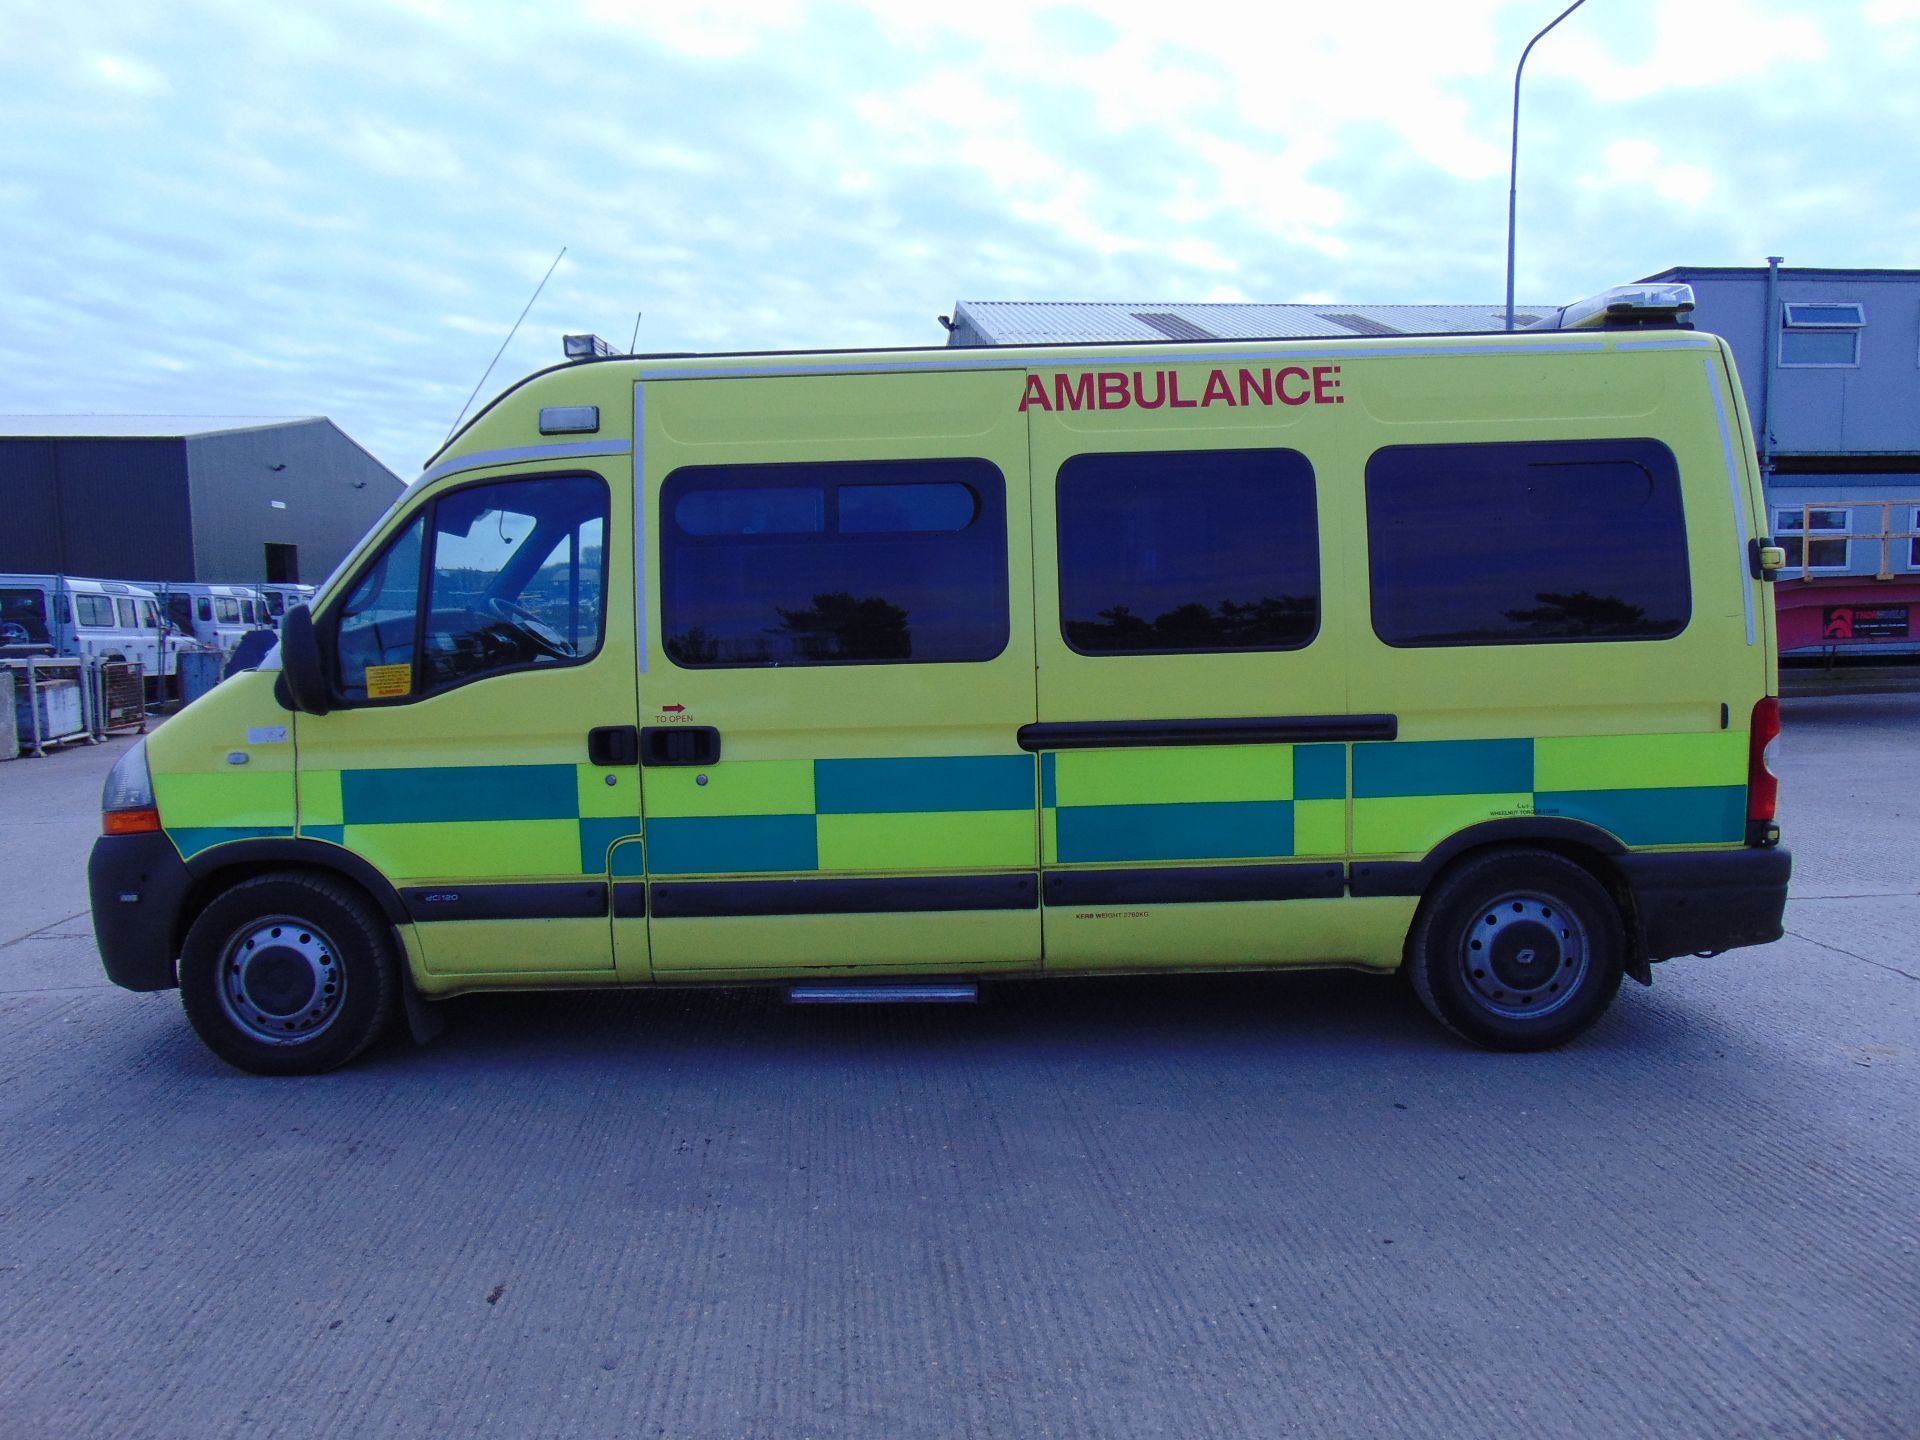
(1194, 885)
(571, 900)
(913, 894)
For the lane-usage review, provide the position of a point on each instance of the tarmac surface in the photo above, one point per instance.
(1240, 1206)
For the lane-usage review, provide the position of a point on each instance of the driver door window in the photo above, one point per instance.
(515, 573)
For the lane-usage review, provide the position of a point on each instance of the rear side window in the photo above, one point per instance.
(1528, 543)
(857, 563)
(1184, 551)
(226, 610)
(93, 609)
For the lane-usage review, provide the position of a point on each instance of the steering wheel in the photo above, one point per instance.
(533, 627)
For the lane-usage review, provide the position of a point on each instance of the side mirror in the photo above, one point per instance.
(1766, 558)
(302, 684)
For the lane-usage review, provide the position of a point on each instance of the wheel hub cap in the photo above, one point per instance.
(1525, 955)
(281, 981)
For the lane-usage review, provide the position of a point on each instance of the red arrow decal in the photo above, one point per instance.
(673, 709)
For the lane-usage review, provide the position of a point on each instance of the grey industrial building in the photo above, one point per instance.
(186, 498)
(1829, 360)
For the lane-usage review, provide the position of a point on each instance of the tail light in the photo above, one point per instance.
(1763, 786)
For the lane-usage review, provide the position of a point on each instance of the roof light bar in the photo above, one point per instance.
(585, 347)
(1624, 307)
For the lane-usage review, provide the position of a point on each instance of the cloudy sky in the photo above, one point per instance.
(240, 207)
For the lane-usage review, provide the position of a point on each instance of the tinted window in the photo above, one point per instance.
(1526, 543)
(1200, 550)
(836, 564)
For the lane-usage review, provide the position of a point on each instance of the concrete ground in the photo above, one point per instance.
(1243, 1206)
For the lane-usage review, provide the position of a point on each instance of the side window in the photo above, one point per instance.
(1799, 532)
(1526, 543)
(515, 579)
(1913, 544)
(374, 653)
(519, 571)
(206, 610)
(861, 563)
(149, 615)
(94, 609)
(226, 609)
(128, 614)
(1188, 551)
(1816, 334)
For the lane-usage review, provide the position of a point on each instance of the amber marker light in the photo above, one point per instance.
(129, 822)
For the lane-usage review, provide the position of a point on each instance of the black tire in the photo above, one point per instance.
(1517, 949)
(289, 973)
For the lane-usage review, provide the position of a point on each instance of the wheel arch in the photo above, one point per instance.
(222, 866)
(1587, 845)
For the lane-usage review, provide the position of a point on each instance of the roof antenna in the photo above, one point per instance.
(506, 342)
(636, 331)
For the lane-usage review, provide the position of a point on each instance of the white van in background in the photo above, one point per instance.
(282, 597)
(92, 619)
(215, 615)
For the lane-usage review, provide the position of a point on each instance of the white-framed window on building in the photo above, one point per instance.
(1913, 545)
(1821, 334)
(1820, 554)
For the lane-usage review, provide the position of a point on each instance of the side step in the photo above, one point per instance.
(959, 994)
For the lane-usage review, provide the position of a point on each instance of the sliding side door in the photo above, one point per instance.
(837, 666)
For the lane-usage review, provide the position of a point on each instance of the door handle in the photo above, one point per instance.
(679, 745)
(613, 745)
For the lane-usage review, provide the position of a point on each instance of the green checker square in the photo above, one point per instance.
(732, 787)
(319, 792)
(1320, 827)
(1199, 775)
(602, 801)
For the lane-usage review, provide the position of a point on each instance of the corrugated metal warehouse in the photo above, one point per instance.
(188, 498)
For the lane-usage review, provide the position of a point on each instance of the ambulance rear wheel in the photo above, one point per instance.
(1517, 950)
(289, 973)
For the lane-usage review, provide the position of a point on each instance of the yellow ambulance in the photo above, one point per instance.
(878, 674)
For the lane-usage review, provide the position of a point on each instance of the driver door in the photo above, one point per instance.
(472, 654)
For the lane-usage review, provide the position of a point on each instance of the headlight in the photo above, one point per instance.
(126, 801)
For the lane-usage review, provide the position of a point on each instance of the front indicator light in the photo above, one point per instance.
(129, 822)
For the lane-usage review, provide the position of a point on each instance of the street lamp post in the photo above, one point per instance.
(1513, 161)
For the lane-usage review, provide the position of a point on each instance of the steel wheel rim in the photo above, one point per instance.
(281, 981)
(1524, 955)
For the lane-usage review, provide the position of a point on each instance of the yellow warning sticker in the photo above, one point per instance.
(386, 681)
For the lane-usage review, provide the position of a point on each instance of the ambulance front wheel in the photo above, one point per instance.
(289, 973)
(1517, 950)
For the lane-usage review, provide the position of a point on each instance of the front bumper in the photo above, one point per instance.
(1704, 901)
(138, 884)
